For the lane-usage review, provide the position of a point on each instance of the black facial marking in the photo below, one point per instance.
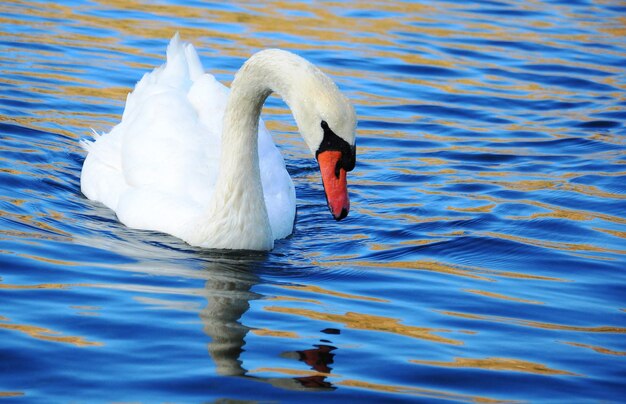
(333, 142)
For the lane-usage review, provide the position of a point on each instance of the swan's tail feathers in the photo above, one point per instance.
(175, 72)
(182, 59)
(174, 46)
(193, 62)
(87, 145)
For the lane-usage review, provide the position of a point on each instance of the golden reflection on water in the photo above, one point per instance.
(417, 266)
(561, 185)
(478, 209)
(419, 392)
(323, 291)
(264, 332)
(361, 321)
(616, 233)
(498, 364)
(477, 273)
(553, 211)
(11, 394)
(501, 296)
(46, 334)
(536, 324)
(561, 246)
(293, 372)
(597, 349)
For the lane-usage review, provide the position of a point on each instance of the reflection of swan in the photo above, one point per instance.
(228, 293)
(186, 158)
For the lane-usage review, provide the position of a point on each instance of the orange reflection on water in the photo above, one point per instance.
(11, 394)
(562, 246)
(478, 273)
(369, 322)
(561, 185)
(323, 291)
(293, 372)
(46, 334)
(616, 233)
(498, 364)
(418, 392)
(597, 349)
(554, 211)
(536, 324)
(264, 332)
(501, 296)
(415, 265)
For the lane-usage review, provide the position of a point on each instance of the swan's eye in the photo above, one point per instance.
(333, 142)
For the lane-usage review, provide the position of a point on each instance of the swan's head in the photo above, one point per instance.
(325, 117)
(327, 123)
(336, 157)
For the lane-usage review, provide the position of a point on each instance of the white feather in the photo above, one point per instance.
(158, 168)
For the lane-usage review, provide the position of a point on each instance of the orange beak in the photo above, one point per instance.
(335, 183)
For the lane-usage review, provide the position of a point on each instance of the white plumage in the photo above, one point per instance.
(158, 169)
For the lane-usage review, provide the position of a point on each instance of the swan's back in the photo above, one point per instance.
(158, 167)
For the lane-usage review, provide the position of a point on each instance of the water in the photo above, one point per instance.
(483, 259)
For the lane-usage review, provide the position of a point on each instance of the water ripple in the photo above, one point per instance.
(486, 235)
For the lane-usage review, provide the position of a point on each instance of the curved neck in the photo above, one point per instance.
(238, 201)
(265, 72)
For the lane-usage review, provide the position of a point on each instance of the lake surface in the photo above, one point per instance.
(483, 259)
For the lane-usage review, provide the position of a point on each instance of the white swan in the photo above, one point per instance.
(192, 159)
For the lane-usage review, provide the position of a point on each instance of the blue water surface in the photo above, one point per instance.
(483, 259)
